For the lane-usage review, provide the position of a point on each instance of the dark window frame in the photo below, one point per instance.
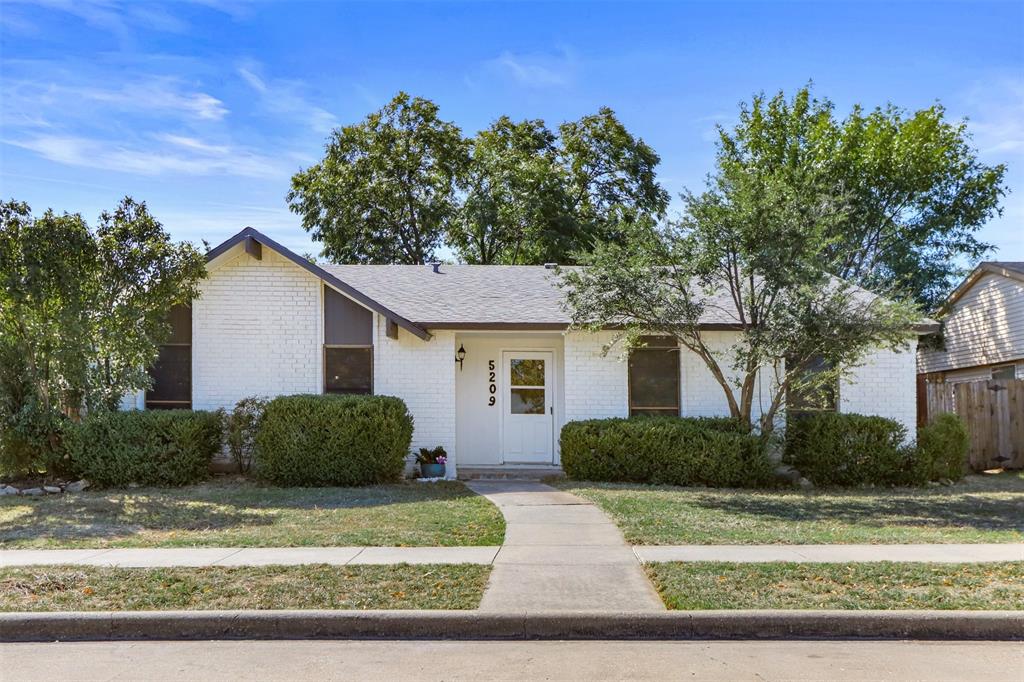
(156, 404)
(656, 344)
(332, 346)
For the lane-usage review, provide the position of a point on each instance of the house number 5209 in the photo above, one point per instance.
(492, 387)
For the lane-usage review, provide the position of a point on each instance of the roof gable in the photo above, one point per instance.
(1010, 269)
(250, 236)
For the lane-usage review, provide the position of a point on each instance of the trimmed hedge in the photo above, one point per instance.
(836, 449)
(150, 447)
(317, 440)
(944, 444)
(664, 450)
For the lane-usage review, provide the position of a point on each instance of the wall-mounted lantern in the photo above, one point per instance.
(460, 355)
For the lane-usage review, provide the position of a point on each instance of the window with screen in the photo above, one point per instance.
(171, 374)
(348, 345)
(1004, 373)
(348, 370)
(654, 377)
(819, 398)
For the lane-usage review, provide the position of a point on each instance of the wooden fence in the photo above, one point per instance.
(994, 413)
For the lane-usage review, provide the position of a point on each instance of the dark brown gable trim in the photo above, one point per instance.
(250, 233)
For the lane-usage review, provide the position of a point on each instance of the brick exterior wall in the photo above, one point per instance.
(422, 373)
(256, 330)
(595, 386)
(885, 385)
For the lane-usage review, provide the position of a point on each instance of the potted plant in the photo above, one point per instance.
(432, 461)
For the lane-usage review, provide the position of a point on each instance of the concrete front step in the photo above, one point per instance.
(510, 472)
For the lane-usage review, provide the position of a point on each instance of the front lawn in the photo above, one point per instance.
(883, 585)
(986, 508)
(237, 513)
(81, 588)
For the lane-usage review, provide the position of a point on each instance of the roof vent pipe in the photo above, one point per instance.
(437, 267)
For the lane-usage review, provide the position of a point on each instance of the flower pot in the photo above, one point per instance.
(432, 470)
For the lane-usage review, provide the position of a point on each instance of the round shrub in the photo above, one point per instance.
(664, 450)
(944, 445)
(316, 440)
(150, 447)
(833, 449)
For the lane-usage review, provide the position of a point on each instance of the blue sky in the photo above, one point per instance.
(204, 109)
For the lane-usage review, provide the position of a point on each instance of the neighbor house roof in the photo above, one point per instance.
(469, 296)
(1010, 269)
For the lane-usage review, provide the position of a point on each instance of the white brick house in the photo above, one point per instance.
(480, 354)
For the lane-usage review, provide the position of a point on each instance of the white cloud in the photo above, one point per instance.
(536, 70)
(996, 111)
(154, 95)
(178, 154)
(284, 98)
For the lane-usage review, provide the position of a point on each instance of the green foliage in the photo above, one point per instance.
(533, 196)
(240, 428)
(81, 316)
(435, 455)
(909, 188)
(944, 444)
(151, 447)
(393, 187)
(316, 440)
(664, 450)
(833, 449)
(385, 189)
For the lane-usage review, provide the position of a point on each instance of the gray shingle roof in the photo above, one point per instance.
(482, 295)
(461, 294)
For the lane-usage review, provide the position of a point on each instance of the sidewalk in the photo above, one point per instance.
(561, 553)
(234, 556)
(953, 554)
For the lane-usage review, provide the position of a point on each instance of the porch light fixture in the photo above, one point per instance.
(460, 355)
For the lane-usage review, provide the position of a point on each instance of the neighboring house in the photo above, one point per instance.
(975, 366)
(982, 328)
(480, 354)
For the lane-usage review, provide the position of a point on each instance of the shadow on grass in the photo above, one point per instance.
(981, 503)
(213, 506)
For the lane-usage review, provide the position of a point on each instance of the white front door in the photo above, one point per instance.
(528, 407)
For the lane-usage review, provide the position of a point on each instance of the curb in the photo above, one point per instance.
(465, 625)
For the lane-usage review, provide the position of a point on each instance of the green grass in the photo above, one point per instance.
(237, 513)
(883, 585)
(80, 588)
(988, 508)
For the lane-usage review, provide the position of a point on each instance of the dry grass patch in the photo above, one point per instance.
(988, 508)
(882, 585)
(81, 588)
(238, 513)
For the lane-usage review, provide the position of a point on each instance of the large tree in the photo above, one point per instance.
(513, 200)
(533, 196)
(750, 252)
(81, 316)
(914, 191)
(385, 191)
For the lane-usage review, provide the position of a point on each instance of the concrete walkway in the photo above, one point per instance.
(954, 554)
(233, 556)
(561, 553)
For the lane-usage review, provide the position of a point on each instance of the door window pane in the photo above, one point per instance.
(527, 372)
(527, 401)
(348, 370)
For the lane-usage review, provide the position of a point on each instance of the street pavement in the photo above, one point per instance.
(513, 660)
